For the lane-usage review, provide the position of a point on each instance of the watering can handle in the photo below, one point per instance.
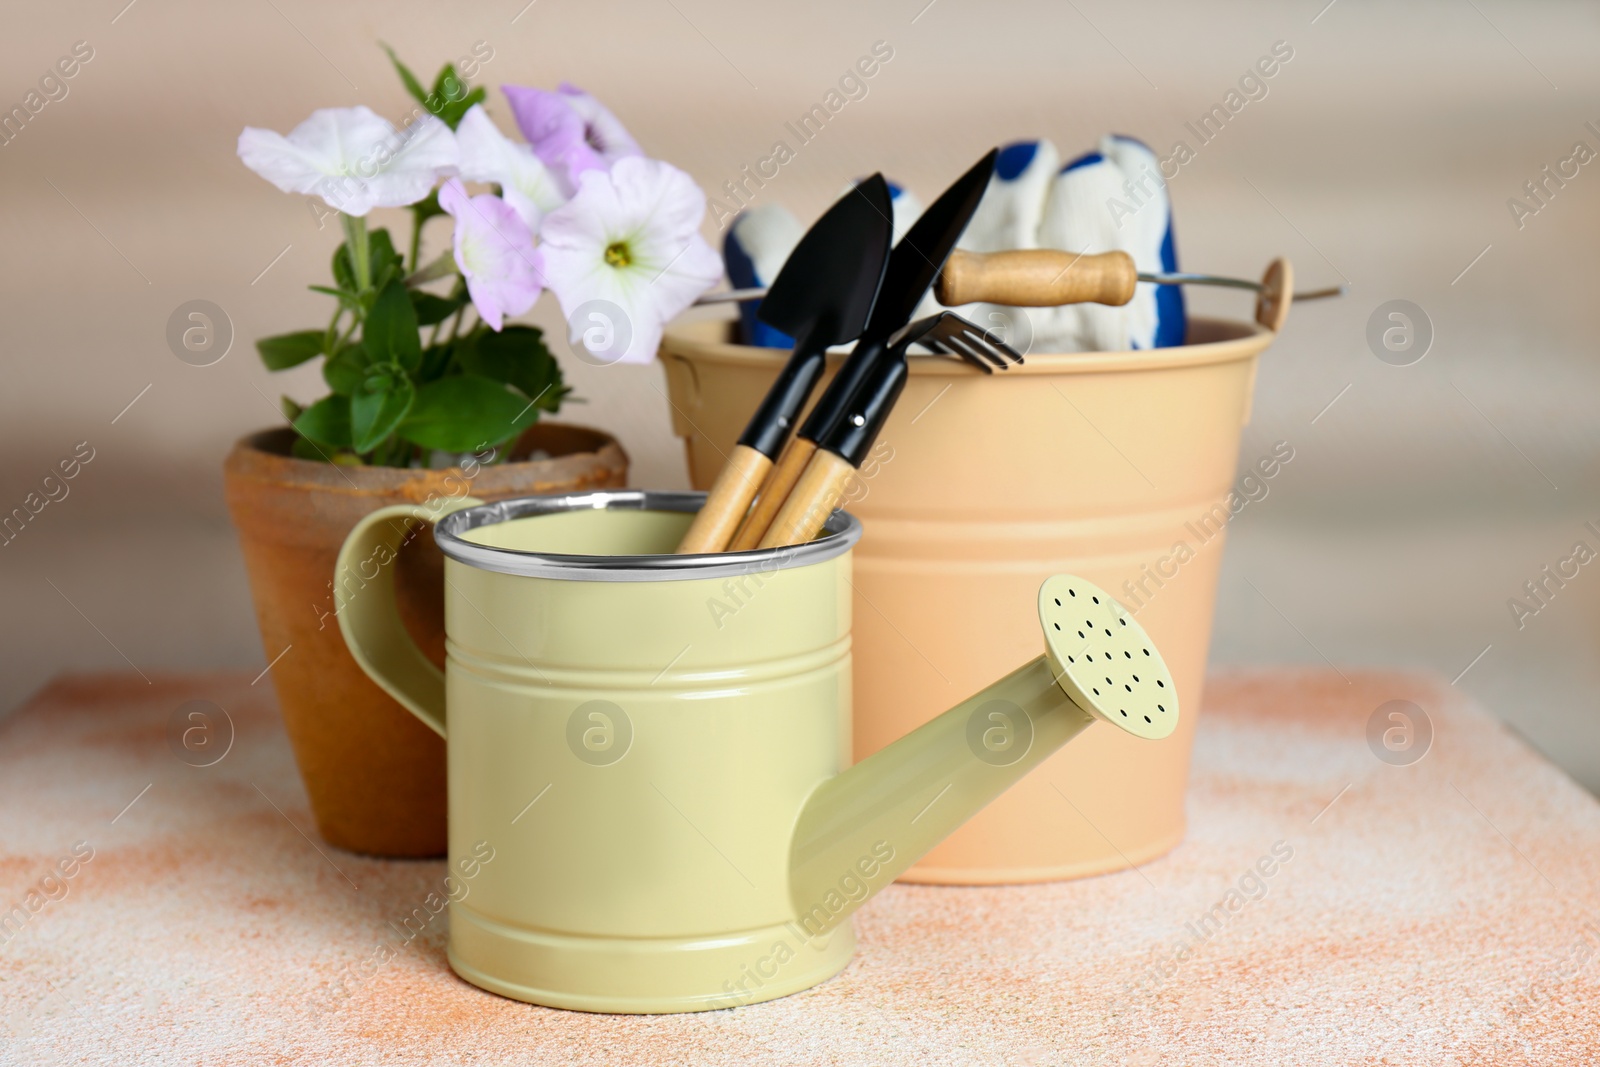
(363, 589)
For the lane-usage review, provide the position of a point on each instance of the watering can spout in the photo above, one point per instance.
(866, 826)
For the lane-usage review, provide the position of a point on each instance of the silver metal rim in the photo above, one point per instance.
(841, 531)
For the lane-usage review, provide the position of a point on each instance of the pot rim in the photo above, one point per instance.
(842, 531)
(262, 456)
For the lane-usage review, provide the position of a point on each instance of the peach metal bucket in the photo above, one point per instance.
(982, 486)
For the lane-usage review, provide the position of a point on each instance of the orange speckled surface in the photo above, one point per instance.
(1444, 912)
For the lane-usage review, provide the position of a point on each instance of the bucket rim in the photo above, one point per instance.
(841, 532)
(1225, 340)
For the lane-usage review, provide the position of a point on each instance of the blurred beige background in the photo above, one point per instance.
(1384, 155)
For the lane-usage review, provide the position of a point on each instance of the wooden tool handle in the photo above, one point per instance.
(727, 502)
(815, 495)
(774, 491)
(1037, 277)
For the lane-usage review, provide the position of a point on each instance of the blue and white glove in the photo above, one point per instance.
(1152, 226)
(758, 243)
(1009, 213)
(1109, 200)
(1112, 199)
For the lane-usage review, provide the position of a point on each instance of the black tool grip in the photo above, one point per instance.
(836, 399)
(769, 427)
(858, 428)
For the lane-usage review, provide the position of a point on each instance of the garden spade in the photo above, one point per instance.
(913, 267)
(822, 297)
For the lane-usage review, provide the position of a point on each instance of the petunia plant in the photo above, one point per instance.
(421, 359)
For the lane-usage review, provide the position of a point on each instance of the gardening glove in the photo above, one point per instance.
(1109, 200)
(758, 243)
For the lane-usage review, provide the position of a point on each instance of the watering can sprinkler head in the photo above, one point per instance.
(870, 823)
(1103, 660)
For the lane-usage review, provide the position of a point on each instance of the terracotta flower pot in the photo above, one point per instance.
(374, 774)
(981, 486)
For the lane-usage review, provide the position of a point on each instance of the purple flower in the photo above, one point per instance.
(494, 249)
(570, 131)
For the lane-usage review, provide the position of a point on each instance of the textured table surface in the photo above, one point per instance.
(1441, 912)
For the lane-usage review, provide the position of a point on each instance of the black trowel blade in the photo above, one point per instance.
(831, 279)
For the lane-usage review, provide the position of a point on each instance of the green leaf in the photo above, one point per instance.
(436, 362)
(447, 84)
(451, 112)
(304, 449)
(386, 262)
(344, 273)
(457, 111)
(345, 297)
(291, 409)
(450, 99)
(346, 371)
(327, 422)
(289, 349)
(408, 79)
(434, 309)
(390, 334)
(376, 408)
(465, 412)
(517, 356)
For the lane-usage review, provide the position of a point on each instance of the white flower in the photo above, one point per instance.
(487, 155)
(628, 241)
(353, 158)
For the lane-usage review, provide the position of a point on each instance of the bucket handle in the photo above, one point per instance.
(364, 598)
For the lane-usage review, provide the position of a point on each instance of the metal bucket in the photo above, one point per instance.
(1101, 464)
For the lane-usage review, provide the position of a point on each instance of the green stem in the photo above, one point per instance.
(477, 323)
(416, 235)
(442, 266)
(347, 333)
(355, 231)
(330, 346)
(455, 324)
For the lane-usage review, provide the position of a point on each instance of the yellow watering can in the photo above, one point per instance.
(650, 748)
